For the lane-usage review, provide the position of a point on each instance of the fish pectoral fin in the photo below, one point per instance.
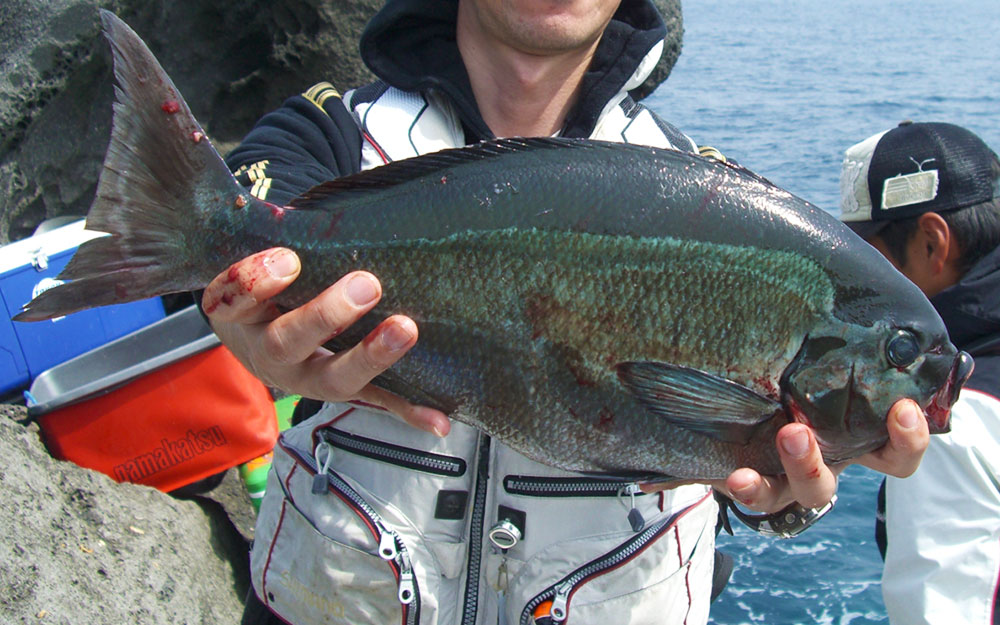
(696, 400)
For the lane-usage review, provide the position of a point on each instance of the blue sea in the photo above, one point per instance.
(784, 87)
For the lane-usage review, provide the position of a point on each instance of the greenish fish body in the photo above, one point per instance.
(599, 307)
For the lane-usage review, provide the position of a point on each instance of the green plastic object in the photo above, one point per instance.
(285, 407)
(254, 476)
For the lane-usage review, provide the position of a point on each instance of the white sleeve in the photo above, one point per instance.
(942, 562)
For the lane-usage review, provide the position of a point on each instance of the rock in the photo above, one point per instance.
(78, 547)
(672, 17)
(233, 61)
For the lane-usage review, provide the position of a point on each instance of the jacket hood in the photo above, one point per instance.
(971, 308)
(410, 44)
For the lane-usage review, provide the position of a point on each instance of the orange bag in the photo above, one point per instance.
(171, 427)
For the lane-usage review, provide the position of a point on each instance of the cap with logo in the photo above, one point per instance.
(912, 169)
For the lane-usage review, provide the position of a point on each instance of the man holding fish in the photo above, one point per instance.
(527, 67)
(615, 328)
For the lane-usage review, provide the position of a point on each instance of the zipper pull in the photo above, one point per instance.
(503, 580)
(407, 591)
(320, 485)
(389, 551)
(635, 518)
(387, 544)
(559, 601)
(501, 589)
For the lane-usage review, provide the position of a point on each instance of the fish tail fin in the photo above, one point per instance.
(160, 181)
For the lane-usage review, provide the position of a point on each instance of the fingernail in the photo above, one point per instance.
(796, 445)
(431, 422)
(909, 417)
(282, 264)
(395, 337)
(361, 290)
(744, 495)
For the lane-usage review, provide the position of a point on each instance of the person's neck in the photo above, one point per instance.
(521, 94)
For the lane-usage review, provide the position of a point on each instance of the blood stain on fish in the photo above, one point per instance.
(605, 419)
(334, 226)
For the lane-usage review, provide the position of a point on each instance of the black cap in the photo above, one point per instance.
(912, 169)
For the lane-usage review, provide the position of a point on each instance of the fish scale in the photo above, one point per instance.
(699, 324)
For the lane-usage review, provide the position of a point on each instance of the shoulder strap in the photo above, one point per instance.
(628, 121)
(398, 124)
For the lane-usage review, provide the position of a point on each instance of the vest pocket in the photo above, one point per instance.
(644, 578)
(438, 464)
(323, 554)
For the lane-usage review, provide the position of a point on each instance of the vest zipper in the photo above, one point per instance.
(561, 592)
(394, 454)
(391, 547)
(540, 486)
(477, 523)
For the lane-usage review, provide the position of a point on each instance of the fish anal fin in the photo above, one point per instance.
(696, 400)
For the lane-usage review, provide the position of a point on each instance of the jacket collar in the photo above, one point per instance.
(410, 44)
(971, 308)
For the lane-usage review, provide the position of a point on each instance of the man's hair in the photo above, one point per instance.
(976, 230)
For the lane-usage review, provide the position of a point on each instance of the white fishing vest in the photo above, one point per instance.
(398, 124)
(368, 520)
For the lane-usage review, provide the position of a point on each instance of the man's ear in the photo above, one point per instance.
(934, 241)
(934, 254)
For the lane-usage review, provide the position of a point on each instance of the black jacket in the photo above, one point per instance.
(971, 312)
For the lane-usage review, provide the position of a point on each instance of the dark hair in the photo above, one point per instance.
(976, 230)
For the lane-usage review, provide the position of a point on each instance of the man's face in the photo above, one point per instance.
(543, 26)
(877, 242)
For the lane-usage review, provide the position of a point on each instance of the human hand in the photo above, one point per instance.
(285, 350)
(808, 480)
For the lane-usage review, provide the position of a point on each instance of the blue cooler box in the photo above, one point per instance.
(30, 266)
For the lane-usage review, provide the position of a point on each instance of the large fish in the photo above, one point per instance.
(597, 306)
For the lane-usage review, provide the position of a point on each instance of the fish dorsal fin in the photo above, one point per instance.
(696, 400)
(405, 170)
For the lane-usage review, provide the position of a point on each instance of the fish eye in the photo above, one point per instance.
(902, 349)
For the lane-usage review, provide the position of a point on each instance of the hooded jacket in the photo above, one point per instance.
(971, 312)
(410, 45)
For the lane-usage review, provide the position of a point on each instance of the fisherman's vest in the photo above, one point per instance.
(380, 523)
(397, 124)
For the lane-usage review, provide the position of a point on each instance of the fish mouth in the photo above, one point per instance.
(938, 410)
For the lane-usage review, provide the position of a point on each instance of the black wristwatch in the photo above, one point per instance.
(786, 523)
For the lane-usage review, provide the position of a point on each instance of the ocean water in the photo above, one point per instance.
(784, 87)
